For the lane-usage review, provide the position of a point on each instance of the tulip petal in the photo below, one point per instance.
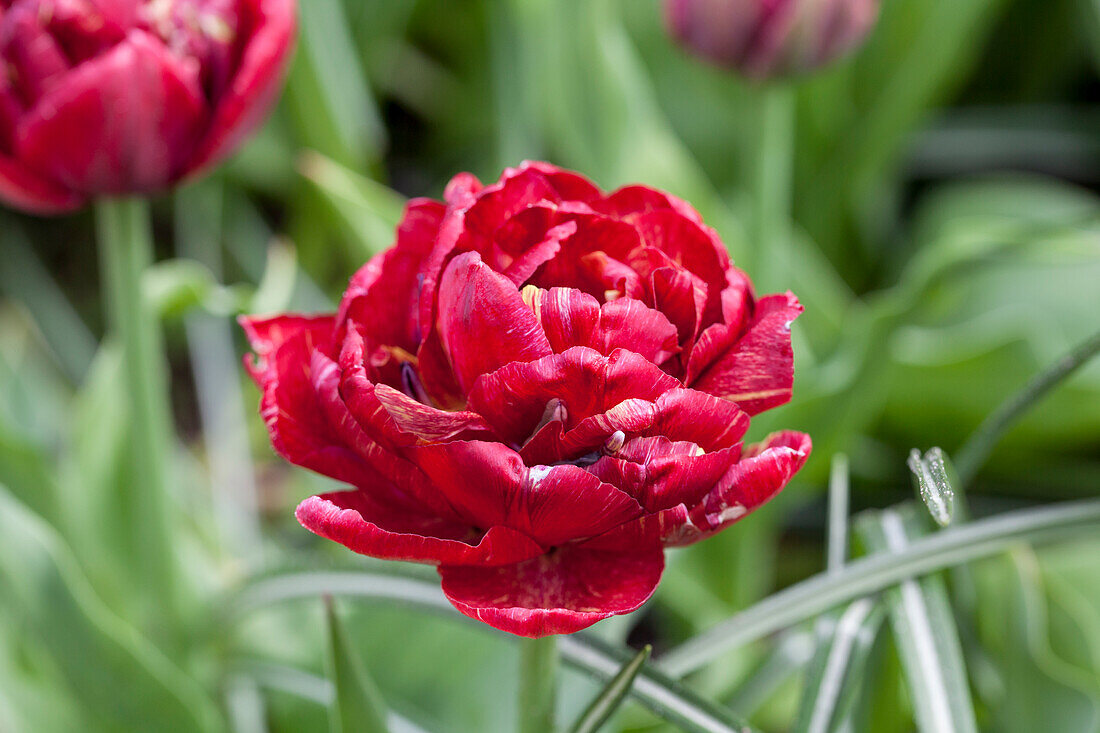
(691, 415)
(25, 190)
(365, 525)
(489, 484)
(123, 122)
(574, 318)
(382, 296)
(483, 321)
(757, 372)
(256, 85)
(299, 429)
(514, 398)
(755, 479)
(557, 593)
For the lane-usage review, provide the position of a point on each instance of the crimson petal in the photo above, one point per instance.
(757, 372)
(483, 321)
(489, 484)
(514, 398)
(370, 527)
(125, 121)
(299, 430)
(256, 85)
(765, 469)
(558, 593)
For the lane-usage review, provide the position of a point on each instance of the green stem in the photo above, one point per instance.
(538, 683)
(126, 250)
(772, 178)
(980, 444)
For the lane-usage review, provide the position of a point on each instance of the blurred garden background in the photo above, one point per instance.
(944, 239)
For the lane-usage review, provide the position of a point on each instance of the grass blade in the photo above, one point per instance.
(837, 669)
(838, 514)
(611, 697)
(368, 211)
(925, 632)
(786, 659)
(815, 595)
(969, 458)
(357, 705)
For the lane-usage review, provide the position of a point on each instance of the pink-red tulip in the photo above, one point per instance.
(537, 389)
(114, 97)
(771, 38)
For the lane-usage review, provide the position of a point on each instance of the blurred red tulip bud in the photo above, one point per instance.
(771, 38)
(112, 97)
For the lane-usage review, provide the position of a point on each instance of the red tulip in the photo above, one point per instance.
(770, 38)
(111, 97)
(538, 389)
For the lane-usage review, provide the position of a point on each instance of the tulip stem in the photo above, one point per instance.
(126, 251)
(538, 683)
(772, 179)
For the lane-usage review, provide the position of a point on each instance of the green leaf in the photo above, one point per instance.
(787, 658)
(358, 707)
(978, 447)
(837, 669)
(368, 211)
(953, 546)
(328, 94)
(612, 696)
(121, 680)
(925, 633)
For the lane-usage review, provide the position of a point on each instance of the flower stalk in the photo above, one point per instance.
(538, 684)
(771, 181)
(126, 251)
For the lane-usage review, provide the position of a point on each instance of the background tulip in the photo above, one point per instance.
(113, 97)
(770, 38)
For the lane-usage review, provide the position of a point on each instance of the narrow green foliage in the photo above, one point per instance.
(612, 696)
(925, 633)
(538, 684)
(837, 537)
(969, 458)
(358, 706)
(805, 600)
(837, 670)
(367, 210)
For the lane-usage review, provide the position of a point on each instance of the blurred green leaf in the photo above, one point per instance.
(173, 287)
(368, 211)
(836, 672)
(924, 630)
(358, 706)
(1041, 690)
(327, 93)
(121, 680)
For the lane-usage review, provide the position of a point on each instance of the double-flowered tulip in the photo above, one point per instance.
(538, 388)
(117, 97)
